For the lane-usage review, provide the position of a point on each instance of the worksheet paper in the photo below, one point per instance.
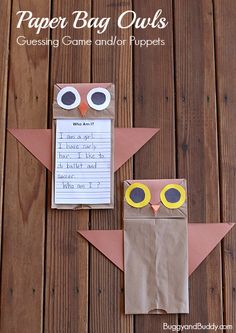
(83, 161)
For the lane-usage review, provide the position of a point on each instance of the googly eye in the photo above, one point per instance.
(173, 196)
(138, 195)
(68, 98)
(99, 98)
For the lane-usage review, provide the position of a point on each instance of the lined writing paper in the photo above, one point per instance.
(83, 161)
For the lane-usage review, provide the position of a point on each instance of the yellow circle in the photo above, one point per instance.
(177, 204)
(142, 203)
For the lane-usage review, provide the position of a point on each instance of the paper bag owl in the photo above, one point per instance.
(155, 246)
(83, 154)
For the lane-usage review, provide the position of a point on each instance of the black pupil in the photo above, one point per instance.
(172, 195)
(68, 98)
(98, 98)
(137, 195)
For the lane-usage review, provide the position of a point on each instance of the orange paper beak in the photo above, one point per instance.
(155, 208)
(83, 108)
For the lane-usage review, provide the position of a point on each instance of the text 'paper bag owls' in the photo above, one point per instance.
(155, 247)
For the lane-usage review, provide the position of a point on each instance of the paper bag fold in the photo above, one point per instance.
(156, 266)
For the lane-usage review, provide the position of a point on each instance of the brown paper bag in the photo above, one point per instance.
(62, 114)
(156, 256)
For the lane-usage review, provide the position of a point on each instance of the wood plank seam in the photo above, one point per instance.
(5, 58)
(219, 164)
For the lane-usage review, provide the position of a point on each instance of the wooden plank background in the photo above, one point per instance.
(51, 279)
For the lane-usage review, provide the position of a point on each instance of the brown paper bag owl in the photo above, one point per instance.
(155, 246)
(82, 149)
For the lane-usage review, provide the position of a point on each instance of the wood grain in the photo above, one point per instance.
(25, 191)
(225, 30)
(5, 7)
(197, 150)
(111, 64)
(154, 107)
(66, 292)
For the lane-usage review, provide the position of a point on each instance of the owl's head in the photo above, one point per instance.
(89, 100)
(160, 198)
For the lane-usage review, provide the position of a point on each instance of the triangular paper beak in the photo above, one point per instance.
(203, 238)
(39, 143)
(83, 108)
(155, 208)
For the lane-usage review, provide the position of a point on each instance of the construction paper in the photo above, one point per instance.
(68, 98)
(155, 253)
(127, 142)
(82, 88)
(137, 195)
(173, 196)
(109, 242)
(83, 161)
(99, 98)
(156, 188)
(38, 142)
(202, 239)
(155, 208)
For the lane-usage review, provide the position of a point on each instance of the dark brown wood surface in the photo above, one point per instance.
(5, 6)
(154, 106)
(22, 273)
(225, 29)
(66, 265)
(51, 279)
(197, 146)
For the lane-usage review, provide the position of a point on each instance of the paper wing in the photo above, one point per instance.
(127, 142)
(203, 238)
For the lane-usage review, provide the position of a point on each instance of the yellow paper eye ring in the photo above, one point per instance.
(147, 195)
(181, 200)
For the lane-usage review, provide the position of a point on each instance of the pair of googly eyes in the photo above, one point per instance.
(69, 98)
(172, 195)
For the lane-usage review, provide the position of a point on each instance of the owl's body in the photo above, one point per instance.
(155, 247)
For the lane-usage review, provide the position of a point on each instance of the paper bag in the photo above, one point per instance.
(155, 253)
(83, 146)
